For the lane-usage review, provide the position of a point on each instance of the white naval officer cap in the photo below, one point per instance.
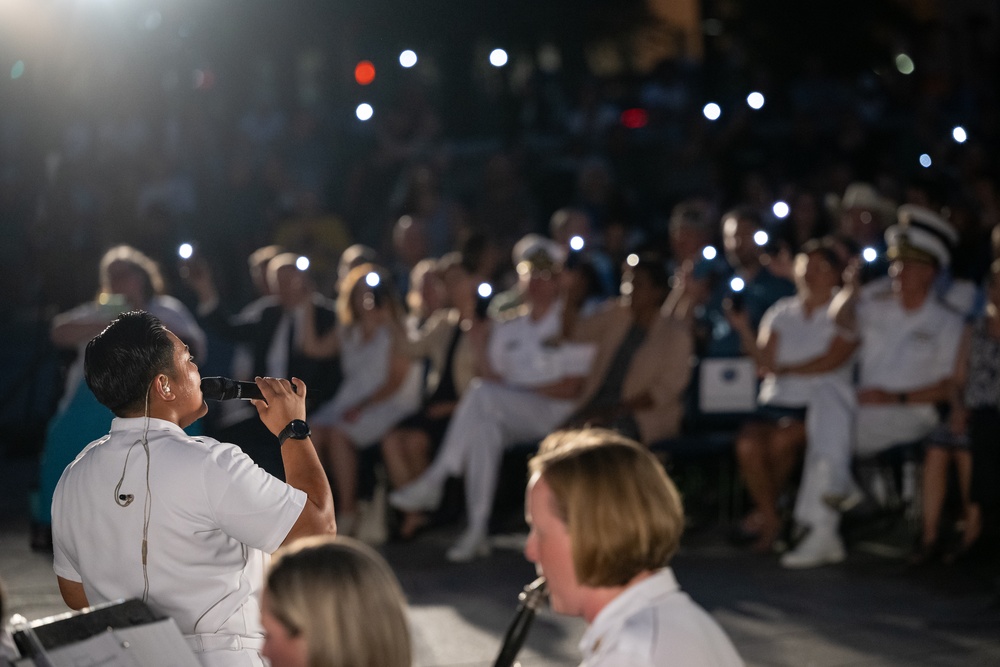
(921, 234)
(534, 251)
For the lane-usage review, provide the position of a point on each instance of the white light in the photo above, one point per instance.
(302, 263)
(780, 209)
(576, 243)
(408, 58)
(925, 160)
(185, 250)
(869, 254)
(709, 252)
(498, 57)
(632, 260)
(372, 279)
(760, 238)
(712, 111)
(484, 290)
(737, 284)
(755, 100)
(959, 134)
(904, 64)
(364, 111)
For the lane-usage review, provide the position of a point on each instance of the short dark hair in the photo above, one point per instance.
(121, 361)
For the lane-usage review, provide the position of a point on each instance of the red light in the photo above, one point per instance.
(633, 119)
(364, 73)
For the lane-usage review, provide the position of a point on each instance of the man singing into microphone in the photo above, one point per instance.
(605, 521)
(186, 524)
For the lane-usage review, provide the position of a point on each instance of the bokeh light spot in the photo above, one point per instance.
(408, 58)
(364, 72)
(904, 64)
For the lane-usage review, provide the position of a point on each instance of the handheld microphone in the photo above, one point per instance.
(225, 389)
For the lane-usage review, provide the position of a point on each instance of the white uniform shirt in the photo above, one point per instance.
(531, 353)
(800, 338)
(214, 519)
(904, 350)
(654, 623)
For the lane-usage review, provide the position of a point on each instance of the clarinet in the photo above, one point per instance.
(533, 595)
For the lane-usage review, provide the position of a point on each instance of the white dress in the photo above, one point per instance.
(365, 365)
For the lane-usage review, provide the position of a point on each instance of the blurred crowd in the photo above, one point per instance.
(446, 298)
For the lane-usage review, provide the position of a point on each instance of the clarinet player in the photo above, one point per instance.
(605, 520)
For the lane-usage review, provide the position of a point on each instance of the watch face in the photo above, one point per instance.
(299, 428)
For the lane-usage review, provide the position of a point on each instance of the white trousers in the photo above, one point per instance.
(489, 418)
(837, 428)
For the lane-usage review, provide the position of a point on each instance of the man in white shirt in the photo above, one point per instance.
(907, 345)
(186, 524)
(530, 387)
(605, 521)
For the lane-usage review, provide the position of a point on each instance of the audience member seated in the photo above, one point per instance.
(790, 350)
(334, 602)
(701, 295)
(129, 280)
(643, 359)
(907, 344)
(426, 294)
(445, 341)
(572, 229)
(274, 335)
(381, 383)
(968, 440)
(236, 421)
(529, 388)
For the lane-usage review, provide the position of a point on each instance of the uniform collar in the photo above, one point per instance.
(124, 424)
(634, 598)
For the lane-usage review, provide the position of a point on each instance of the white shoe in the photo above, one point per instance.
(371, 527)
(818, 548)
(422, 495)
(471, 545)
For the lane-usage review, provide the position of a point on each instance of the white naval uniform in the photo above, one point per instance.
(900, 351)
(494, 415)
(654, 623)
(214, 519)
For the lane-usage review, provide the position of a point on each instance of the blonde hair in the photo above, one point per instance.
(356, 276)
(341, 595)
(418, 274)
(623, 513)
(153, 284)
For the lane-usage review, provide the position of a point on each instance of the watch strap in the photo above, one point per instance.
(296, 429)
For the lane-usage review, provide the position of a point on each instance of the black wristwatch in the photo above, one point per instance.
(296, 430)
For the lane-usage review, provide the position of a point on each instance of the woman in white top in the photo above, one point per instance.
(381, 383)
(791, 349)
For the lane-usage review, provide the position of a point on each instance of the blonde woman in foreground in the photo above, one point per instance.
(334, 602)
